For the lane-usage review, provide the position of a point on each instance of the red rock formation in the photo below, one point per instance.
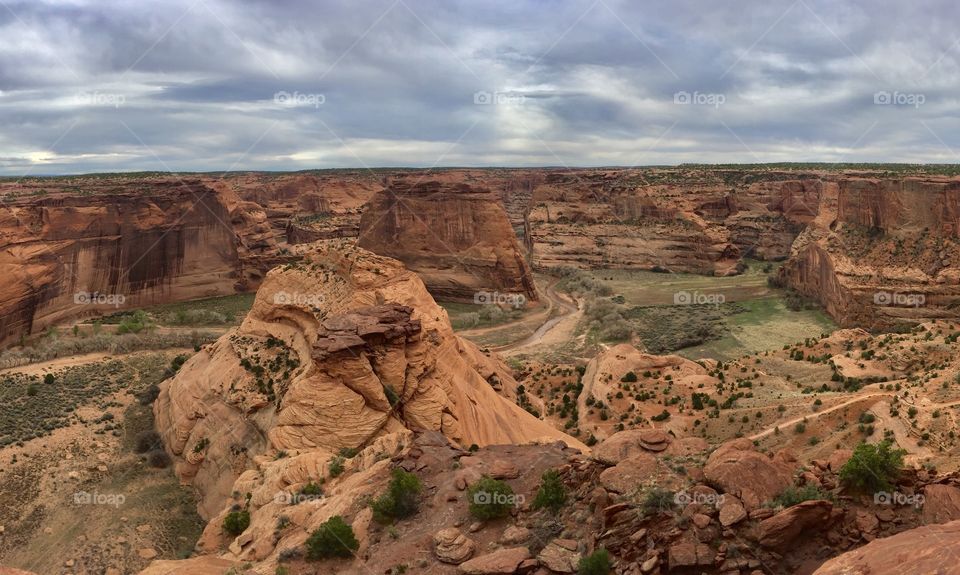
(167, 241)
(881, 252)
(929, 549)
(456, 237)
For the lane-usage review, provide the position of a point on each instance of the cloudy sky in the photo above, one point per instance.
(101, 85)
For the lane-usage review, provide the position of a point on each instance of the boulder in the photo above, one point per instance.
(624, 444)
(779, 531)
(920, 551)
(636, 471)
(514, 535)
(690, 554)
(202, 565)
(731, 511)
(560, 555)
(500, 562)
(941, 504)
(452, 546)
(739, 469)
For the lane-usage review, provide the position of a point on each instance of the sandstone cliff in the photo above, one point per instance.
(165, 241)
(457, 237)
(343, 349)
(881, 251)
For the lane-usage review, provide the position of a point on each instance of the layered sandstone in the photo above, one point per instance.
(457, 237)
(165, 241)
(881, 251)
(343, 349)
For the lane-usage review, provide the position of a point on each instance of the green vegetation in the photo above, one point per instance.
(794, 495)
(551, 494)
(873, 467)
(334, 538)
(401, 499)
(236, 522)
(658, 500)
(29, 409)
(490, 498)
(597, 563)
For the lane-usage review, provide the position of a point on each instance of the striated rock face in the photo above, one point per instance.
(340, 350)
(165, 241)
(457, 237)
(881, 252)
(928, 549)
(781, 530)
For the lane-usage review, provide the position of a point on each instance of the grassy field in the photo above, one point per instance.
(698, 316)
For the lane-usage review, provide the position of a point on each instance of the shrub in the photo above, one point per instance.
(334, 538)
(49, 379)
(158, 458)
(336, 466)
(658, 500)
(794, 495)
(400, 500)
(551, 494)
(236, 522)
(490, 498)
(147, 441)
(597, 563)
(872, 467)
(629, 377)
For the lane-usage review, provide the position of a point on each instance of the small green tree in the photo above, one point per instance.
(236, 522)
(334, 538)
(490, 498)
(400, 500)
(872, 467)
(551, 494)
(597, 563)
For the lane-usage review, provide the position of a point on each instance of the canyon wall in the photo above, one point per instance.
(68, 256)
(456, 236)
(881, 252)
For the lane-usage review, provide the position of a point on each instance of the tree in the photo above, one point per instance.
(334, 538)
(551, 494)
(872, 467)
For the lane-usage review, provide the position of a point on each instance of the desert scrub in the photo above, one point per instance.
(236, 522)
(872, 467)
(551, 494)
(334, 538)
(490, 498)
(597, 563)
(401, 499)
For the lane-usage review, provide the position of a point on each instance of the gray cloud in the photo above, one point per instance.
(194, 84)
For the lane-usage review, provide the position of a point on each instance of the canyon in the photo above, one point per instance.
(344, 370)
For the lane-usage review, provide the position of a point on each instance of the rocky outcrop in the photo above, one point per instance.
(928, 549)
(738, 468)
(501, 562)
(343, 349)
(455, 236)
(881, 252)
(784, 528)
